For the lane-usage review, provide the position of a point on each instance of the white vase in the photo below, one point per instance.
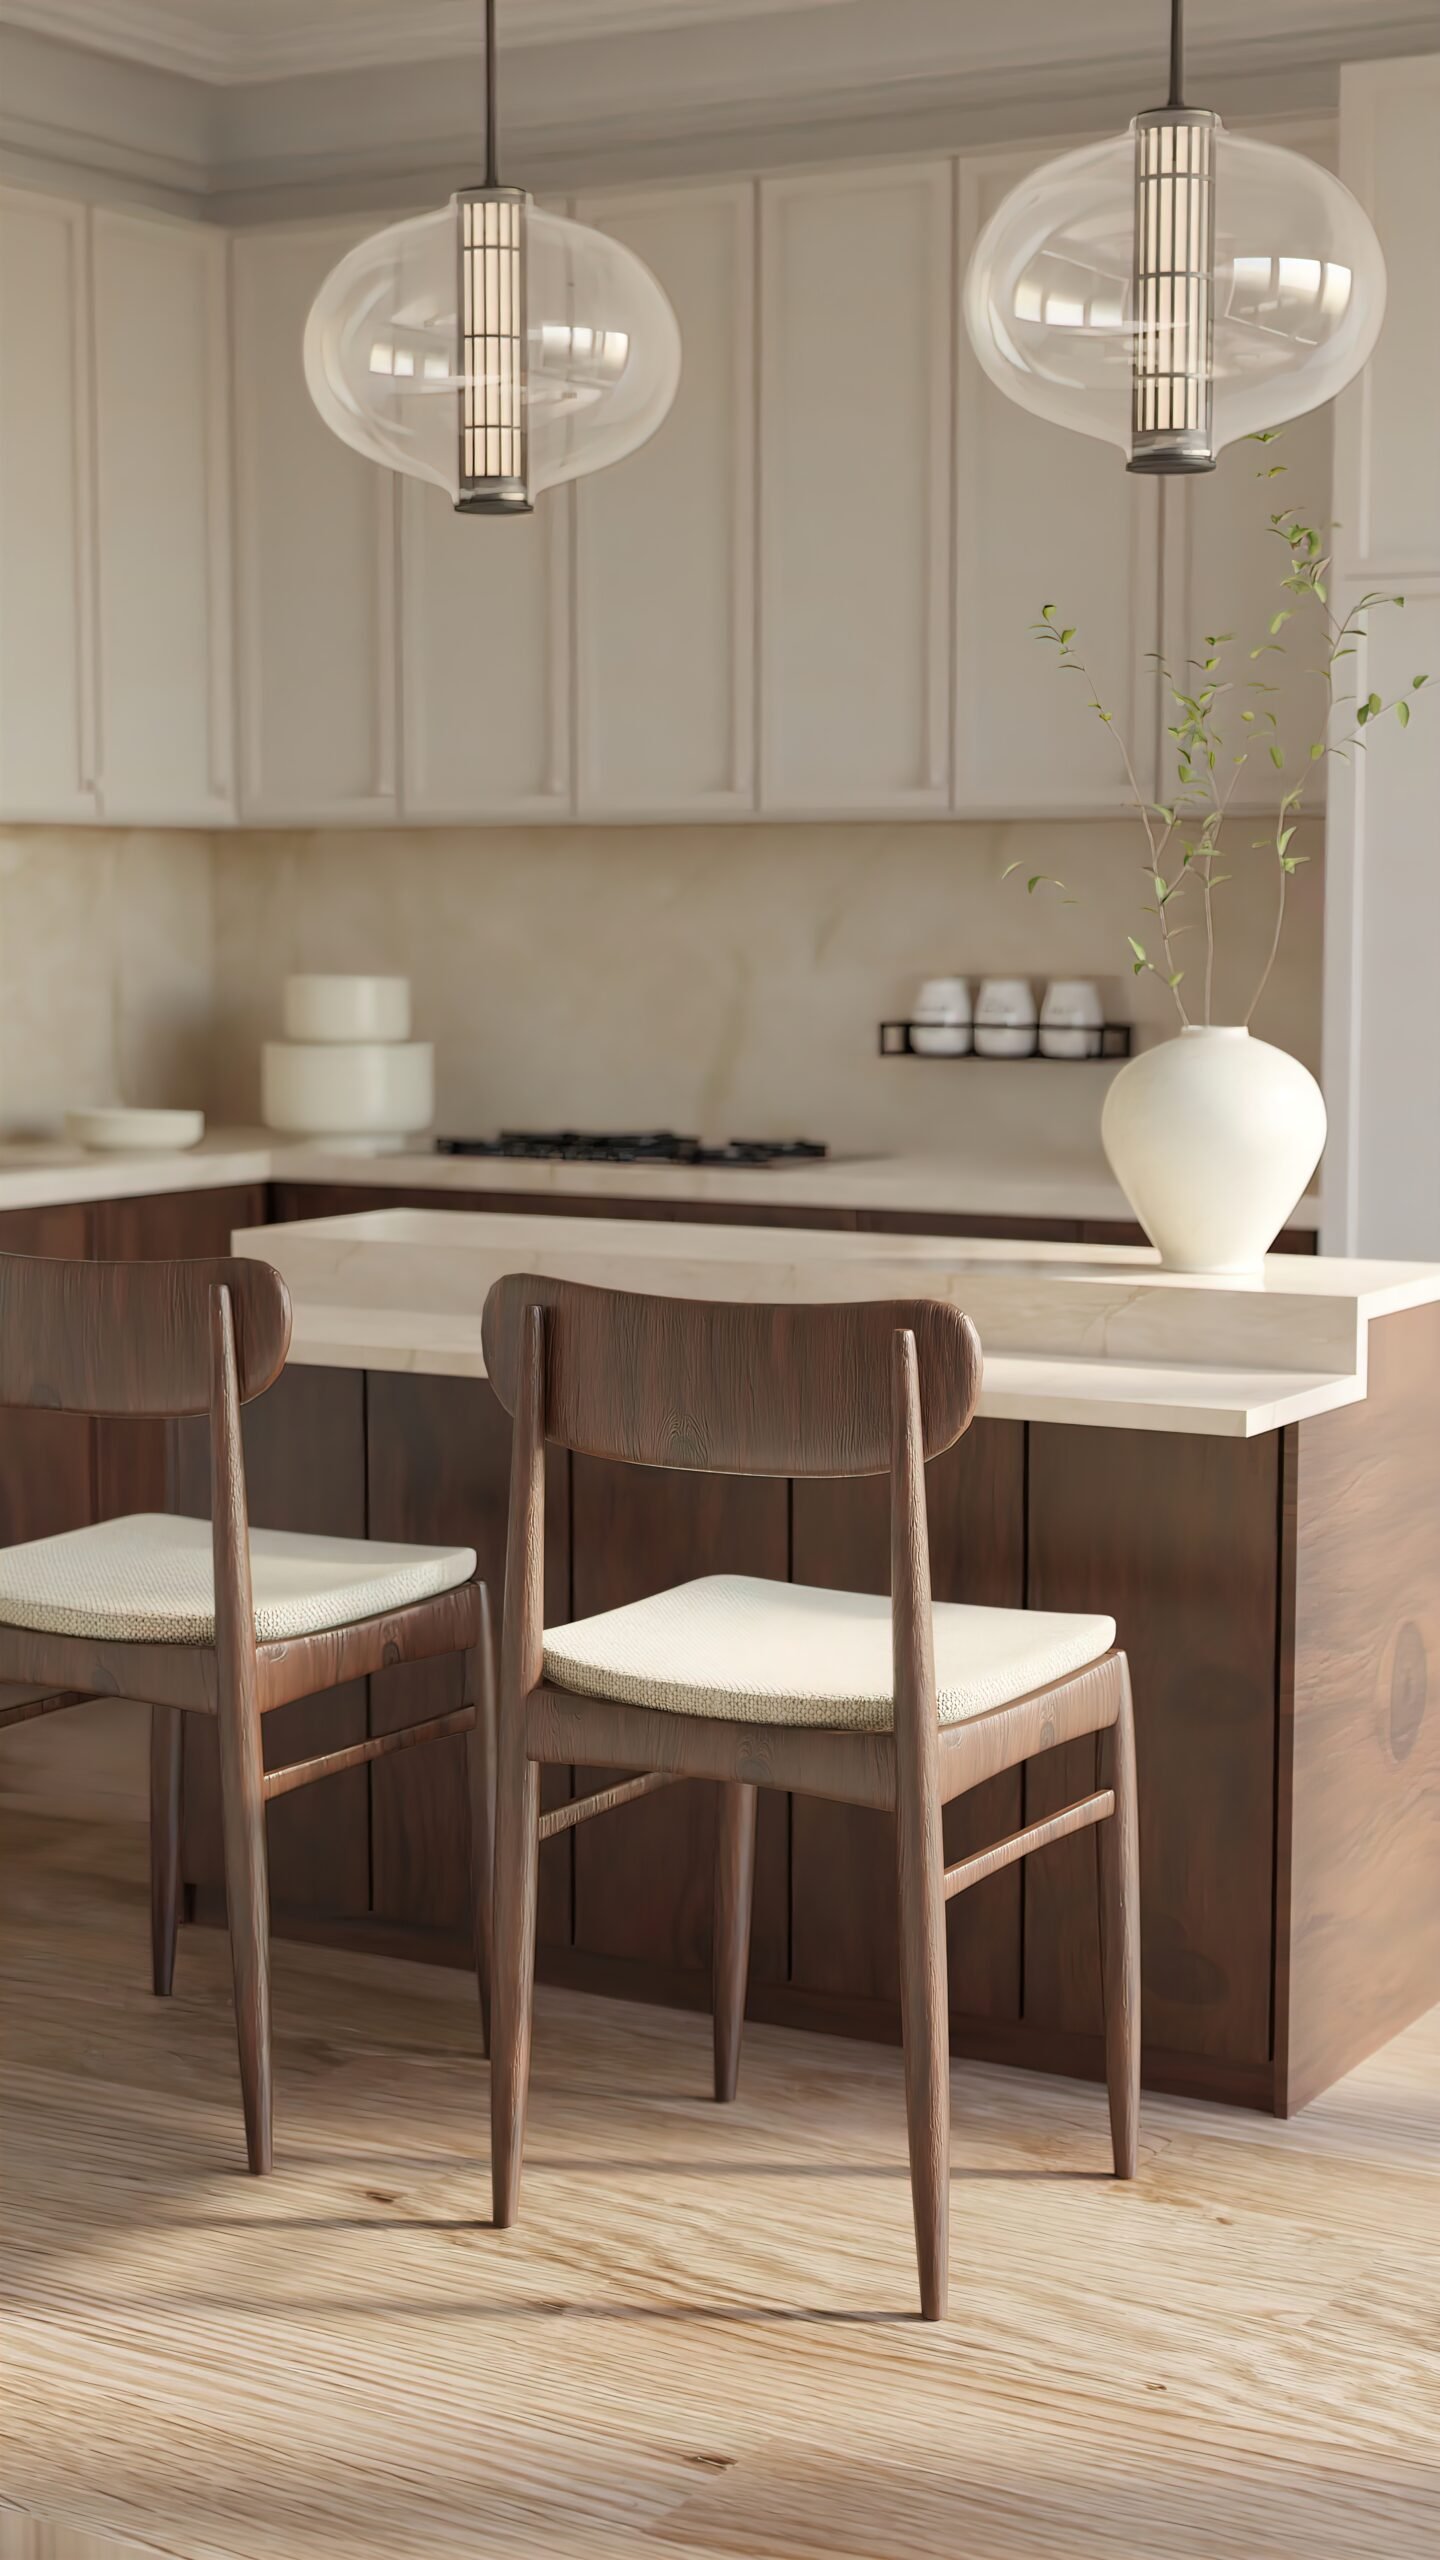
(1212, 1138)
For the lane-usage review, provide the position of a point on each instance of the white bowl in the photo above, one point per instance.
(324, 1008)
(115, 1130)
(352, 1090)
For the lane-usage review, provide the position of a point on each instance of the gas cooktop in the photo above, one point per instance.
(651, 1146)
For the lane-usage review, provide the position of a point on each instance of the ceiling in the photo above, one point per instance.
(240, 41)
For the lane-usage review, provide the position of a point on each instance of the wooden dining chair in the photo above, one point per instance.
(216, 1619)
(900, 1705)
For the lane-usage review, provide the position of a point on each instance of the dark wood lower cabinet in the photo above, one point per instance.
(1176, 1538)
(47, 1460)
(644, 1876)
(843, 1857)
(130, 1457)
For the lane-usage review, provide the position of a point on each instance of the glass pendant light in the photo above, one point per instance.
(1175, 288)
(492, 348)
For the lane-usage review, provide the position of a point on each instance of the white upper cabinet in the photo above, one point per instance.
(484, 649)
(162, 520)
(856, 336)
(1045, 516)
(47, 703)
(316, 584)
(1224, 568)
(1388, 450)
(666, 540)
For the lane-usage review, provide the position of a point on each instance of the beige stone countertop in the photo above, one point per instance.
(1103, 1337)
(41, 1174)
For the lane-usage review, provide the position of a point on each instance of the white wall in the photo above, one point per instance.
(1382, 1013)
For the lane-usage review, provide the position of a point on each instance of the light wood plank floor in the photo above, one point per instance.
(701, 2340)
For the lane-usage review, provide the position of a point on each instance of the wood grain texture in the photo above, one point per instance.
(690, 2345)
(131, 1472)
(237, 1727)
(728, 1389)
(919, 1849)
(736, 1810)
(436, 1466)
(1117, 1851)
(119, 1338)
(305, 1470)
(843, 1887)
(47, 1460)
(643, 1881)
(1359, 1893)
(1178, 1540)
(167, 1734)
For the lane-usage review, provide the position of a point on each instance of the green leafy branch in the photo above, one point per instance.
(1224, 719)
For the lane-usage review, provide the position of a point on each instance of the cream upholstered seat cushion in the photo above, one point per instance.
(782, 1653)
(150, 1580)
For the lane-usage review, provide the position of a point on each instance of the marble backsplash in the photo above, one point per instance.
(721, 979)
(107, 971)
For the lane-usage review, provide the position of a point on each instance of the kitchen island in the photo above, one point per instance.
(1246, 1475)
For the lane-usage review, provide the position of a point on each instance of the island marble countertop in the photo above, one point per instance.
(42, 1175)
(1104, 1338)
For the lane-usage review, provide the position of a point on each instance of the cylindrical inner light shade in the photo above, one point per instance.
(493, 475)
(1172, 422)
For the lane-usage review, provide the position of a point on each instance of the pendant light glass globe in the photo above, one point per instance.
(1095, 296)
(493, 349)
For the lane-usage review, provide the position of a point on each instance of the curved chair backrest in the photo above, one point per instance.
(731, 1390)
(133, 1337)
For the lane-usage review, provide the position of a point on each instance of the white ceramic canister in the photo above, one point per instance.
(940, 1019)
(1005, 1019)
(356, 1093)
(1072, 1019)
(321, 1007)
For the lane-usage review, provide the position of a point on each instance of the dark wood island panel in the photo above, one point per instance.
(1358, 1884)
(1177, 1538)
(845, 1947)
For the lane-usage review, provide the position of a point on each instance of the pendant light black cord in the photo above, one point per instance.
(1177, 54)
(492, 164)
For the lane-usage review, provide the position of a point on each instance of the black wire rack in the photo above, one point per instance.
(1105, 1042)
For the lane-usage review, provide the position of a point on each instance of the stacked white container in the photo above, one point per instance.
(347, 1070)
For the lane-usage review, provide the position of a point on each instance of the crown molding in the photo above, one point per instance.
(182, 36)
(600, 113)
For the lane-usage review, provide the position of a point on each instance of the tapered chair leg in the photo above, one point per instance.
(512, 1987)
(247, 1903)
(734, 1894)
(924, 2009)
(480, 1746)
(1117, 1845)
(166, 1737)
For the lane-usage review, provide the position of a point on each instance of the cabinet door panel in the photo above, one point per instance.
(644, 1875)
(1177, 1539)
(665, 541)
(843, 1884)
(162, 518)
(484, 653)
(1223, 570)
(47, 711)
(855, 404)
(1045, 517)
(316, 559)
(439, 1473)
